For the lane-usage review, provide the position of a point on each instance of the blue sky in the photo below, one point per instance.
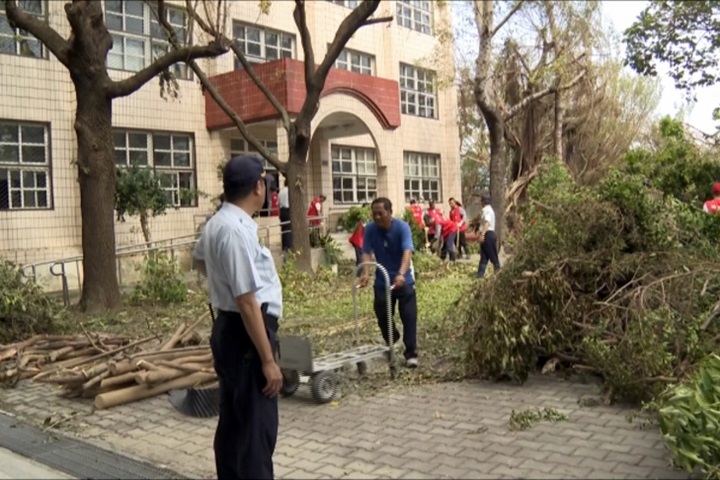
(620, 14)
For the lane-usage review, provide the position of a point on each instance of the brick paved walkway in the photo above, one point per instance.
(455, 430)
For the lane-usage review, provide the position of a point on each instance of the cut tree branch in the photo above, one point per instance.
(509, 15)
(240, 55)
(210, 88)
(300, 17)
(40, 30)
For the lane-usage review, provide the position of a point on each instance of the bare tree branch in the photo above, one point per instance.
(351, 24)
(240, 55)
(39, 29)
(205, 81)
(502, 22)
(300, 17)
(373, 21)
(515, 109)
(125, 87)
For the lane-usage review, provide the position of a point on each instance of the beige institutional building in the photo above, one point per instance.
(386, 125)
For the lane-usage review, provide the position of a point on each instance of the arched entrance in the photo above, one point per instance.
(347, 155)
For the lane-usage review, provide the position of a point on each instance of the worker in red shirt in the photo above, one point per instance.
(417, 212)
(314, 213)
(315, 210)
(274, 205)
(713, 206)
(356, 239)
(458, 215)
(436, 215)
(447, 230)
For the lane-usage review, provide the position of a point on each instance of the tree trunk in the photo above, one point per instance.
(497, 173)
(297, 186)
(96, 174)
(558, 125)
(145, 228)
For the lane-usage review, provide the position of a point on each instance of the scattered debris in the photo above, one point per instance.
(528, 418)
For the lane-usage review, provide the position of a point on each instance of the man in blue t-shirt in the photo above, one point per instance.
(391, 241)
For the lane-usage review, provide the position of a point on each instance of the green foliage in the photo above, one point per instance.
(333, 252)
(689, 416)
(614, 279)
(525, 419)
(418, 235)
(683, 35)
(162, 280)
(25, 310)
(138, 192)
(350, 219)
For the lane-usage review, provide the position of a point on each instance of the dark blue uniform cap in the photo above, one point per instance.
(242, 172)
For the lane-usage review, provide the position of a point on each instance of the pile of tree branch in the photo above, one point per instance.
(616, 281)
(113, 370)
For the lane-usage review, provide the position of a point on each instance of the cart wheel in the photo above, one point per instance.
(291, 382)
(362, 368)
(323, 386)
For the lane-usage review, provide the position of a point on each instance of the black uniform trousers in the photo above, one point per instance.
(248, 425)
(406, 300)
(488, 253)
(285, 234)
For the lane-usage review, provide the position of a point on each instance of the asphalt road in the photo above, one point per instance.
(13, 466)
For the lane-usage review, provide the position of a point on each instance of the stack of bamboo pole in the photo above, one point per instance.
(113, 370)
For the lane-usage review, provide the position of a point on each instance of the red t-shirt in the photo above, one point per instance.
(448, 227)
(712, 206)
(417, 214)
(456, 216)
(274, 205)
(356, 239)
(314, 212)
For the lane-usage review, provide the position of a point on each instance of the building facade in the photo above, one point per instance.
(386, 124)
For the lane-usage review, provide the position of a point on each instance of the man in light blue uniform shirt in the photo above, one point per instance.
(246, 291)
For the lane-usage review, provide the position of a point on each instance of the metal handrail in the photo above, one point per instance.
(126, 251)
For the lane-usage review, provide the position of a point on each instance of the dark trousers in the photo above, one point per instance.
(406, 300)
(488, 253)
(462, 247)
(248, 425)
(285, 234)
(448, 248)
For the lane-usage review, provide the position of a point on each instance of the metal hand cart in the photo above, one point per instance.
(296, 358)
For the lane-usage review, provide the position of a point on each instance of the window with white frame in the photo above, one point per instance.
(262, 45)
(415, 14)
(345, 3)
(139, 39)
(170, 155)
(356, 62)
(422, 176)
(14, 41)
(417, 91)
(354, 174)
(24, 166)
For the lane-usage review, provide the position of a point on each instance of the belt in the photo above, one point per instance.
(271, 321)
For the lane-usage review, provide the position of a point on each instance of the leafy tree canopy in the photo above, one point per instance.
(683, 35)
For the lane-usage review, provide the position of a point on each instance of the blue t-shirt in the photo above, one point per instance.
(388, 247)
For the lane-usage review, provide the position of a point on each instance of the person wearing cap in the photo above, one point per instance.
(459, 216)
(713, 206)
(245, 291)
(390, 240)
(489, 245)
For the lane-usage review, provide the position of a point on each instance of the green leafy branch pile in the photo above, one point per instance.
(690, 419)
(528, 418)
(616, 280)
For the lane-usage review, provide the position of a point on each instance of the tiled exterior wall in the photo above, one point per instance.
(34, 90)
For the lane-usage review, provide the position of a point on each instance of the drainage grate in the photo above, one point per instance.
(73, 457)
